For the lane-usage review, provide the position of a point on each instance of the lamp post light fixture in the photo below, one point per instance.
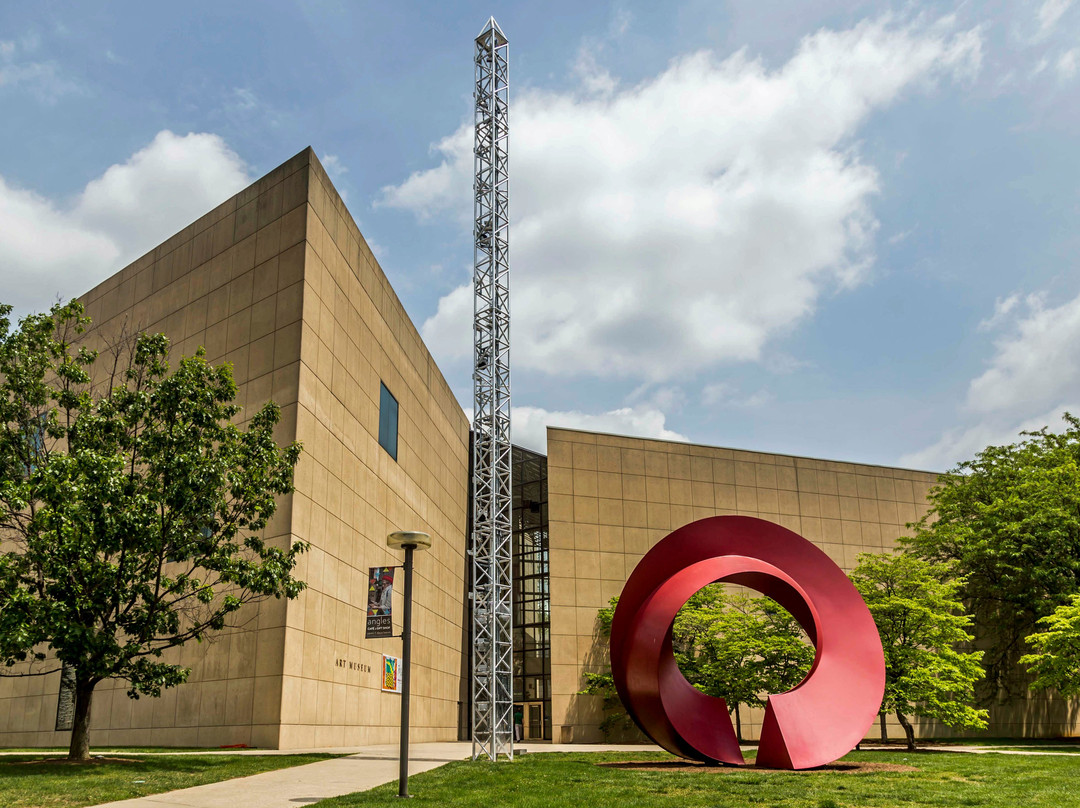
(409, 540)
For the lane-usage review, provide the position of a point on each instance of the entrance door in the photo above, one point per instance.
(534, 720)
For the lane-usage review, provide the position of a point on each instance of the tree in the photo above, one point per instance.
(731, 646)
(602, 684)
(739, 648)
(1010, 522)
(130, 506)
(1056, 658)
(921, 622)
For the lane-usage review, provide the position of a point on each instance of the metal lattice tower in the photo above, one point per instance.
(492, 589)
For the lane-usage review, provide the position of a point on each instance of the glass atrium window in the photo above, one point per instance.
(531, 598)
(388, 411)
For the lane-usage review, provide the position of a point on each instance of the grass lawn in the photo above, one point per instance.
(1010, 743)
(28, 784)
(53, 751)
(552, 779)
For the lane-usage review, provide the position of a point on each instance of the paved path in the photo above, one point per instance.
(303, 785)
(1005, 749)
(365, 767)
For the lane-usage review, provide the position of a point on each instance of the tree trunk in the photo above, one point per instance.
(738, 724)
(908, 730)
(80, 731)
(884, 729)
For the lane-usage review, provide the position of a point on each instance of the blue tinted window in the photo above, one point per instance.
(34, 434)
(388, 407)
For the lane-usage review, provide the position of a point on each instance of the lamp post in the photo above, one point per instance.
(409, 540)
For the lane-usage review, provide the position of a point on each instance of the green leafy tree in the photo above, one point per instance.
(785, 650)
(728, 645)
(1055, 661)
(1009, 521)
(922, 625)
(602, 684)
(715, 641)
(131, 507)
(739, 648)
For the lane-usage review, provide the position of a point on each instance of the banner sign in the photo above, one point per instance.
(391, 680)
(380, 620)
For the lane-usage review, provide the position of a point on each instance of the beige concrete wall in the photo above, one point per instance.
(279, 282)
(351, 494)
(231, 282)
(612, 498)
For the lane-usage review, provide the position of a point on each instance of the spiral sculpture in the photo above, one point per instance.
(815, 723)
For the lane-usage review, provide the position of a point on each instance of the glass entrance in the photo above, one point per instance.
(534, 721)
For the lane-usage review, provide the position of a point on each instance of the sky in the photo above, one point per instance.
(838, 229)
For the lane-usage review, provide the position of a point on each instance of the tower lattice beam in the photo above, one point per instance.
(492, 585)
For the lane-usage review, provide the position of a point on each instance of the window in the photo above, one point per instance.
(33, 433)
(388, 407)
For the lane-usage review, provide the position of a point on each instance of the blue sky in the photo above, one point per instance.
(837, 229)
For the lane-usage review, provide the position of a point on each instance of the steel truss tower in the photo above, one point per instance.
(492, 587)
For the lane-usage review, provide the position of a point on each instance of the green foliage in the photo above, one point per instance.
(616, 719)
(605, 780)
(922, 625)
(1056, 658)
(738, 647)
(727, 645)
(1010, 522)
(131, 500)
(31, 781)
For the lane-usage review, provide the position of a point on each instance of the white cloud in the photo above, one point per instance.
(244, 99)
(594, 78)
(333, 165)
(529, 424)
(42, 249)
(1068, 63)
(1049, 14)
(621, 21)
(336, 169)
(683, 222)
(722, 394)
(1003, 308)
(52, 247)
(963, 443)
(667, 399)
(442, 189)
(1032, 378)
(1035, 366)
(43, 78)
(897, 238)
(378, 250)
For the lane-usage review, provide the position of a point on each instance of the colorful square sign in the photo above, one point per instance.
(391, 682)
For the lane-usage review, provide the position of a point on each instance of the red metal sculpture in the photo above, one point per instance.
(813, 724)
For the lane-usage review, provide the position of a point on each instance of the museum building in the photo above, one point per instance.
(279, 281)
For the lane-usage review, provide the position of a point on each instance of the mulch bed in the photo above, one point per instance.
(685, 766)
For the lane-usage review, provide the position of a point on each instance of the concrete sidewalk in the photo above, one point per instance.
(1005, 749)
(364, 768)
(303, 785)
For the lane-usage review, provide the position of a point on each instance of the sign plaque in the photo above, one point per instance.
(380, 618)
(391, 682)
